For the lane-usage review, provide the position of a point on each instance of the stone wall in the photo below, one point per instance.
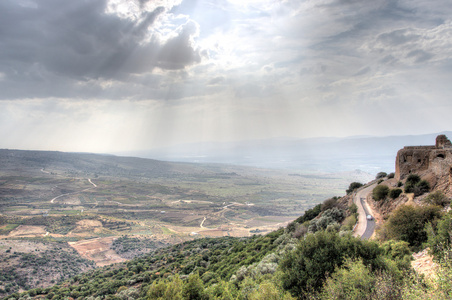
(421, 159)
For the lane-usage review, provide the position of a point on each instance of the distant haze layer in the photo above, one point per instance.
(368, 154)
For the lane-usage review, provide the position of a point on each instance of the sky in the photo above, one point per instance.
(112, 75)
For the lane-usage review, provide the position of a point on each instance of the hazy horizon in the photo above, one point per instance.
(109, 76)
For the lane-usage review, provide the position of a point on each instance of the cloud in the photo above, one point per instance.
(79, 41)
(221, 66)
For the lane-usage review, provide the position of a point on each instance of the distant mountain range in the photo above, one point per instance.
(366, 153)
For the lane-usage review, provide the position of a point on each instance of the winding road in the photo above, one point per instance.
(365, 227)
(62, 195)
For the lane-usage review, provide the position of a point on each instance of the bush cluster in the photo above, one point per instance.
(415, 185)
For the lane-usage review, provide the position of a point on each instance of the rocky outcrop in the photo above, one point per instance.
(432, 163)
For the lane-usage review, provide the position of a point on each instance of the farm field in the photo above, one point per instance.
(74, 198)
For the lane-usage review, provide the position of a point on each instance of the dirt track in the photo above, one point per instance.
(97, 250)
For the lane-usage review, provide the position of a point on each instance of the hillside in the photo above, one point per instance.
(111, 209)
(313, 257)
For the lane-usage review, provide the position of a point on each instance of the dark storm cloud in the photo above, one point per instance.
(49, 46)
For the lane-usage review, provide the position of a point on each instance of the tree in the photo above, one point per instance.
(380, 192)
(381, 175)
(413, 179)
(353, 281)
(337, 214)
(310, 214)
(269, 291)
(407, 223)
(415, 185)
(353, 186)
(194, 288)
(166, 289)
(440, 238)
(395, 193)
(437, 198)
(329, 203)
(306, 268)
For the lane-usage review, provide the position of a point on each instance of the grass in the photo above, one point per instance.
(6, 229)
(166, 231)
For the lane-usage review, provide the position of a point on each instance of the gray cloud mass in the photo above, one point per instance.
(200, 70)
(69, 41)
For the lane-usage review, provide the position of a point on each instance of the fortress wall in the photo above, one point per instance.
(418, 159)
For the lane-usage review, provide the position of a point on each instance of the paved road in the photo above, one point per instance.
(370, 224)
(365, 228)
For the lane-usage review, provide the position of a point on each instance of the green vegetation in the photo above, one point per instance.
(130, 247)
(415, 185)
(310, 214)
(305, 269)
(395, 193)
(7, 228)
(440, 234)
(314, 257)
(289, 263)
(381, 175)
(353, 186)
(407, 223)
(437, 198)
(31, 264)
(380, 192)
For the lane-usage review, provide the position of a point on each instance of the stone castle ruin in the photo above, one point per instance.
(432, 161)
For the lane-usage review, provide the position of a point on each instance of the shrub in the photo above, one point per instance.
(332, 216)
(381, 175)
(194, 288)
(395, 193)
(306, 268)
(391, 175)
(349, 222)
(329, 203)
(437, 198)
(413, 178)
(353, 186)
(422, 187)
(268, 290)
(353, 208)
(321, 223)
(440, 237)
(380, 192)
(399, 252)
(407, 223)
(337, 214)
(310, 214)
(415, 185)
(353, 281)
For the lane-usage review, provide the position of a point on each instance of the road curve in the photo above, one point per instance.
(94, 186)
(365, 228)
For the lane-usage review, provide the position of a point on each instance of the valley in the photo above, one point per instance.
(98, 204)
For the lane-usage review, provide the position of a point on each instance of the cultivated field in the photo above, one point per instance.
(91, 200)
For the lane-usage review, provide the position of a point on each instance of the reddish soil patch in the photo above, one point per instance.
(97, 250)
(26, 230)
